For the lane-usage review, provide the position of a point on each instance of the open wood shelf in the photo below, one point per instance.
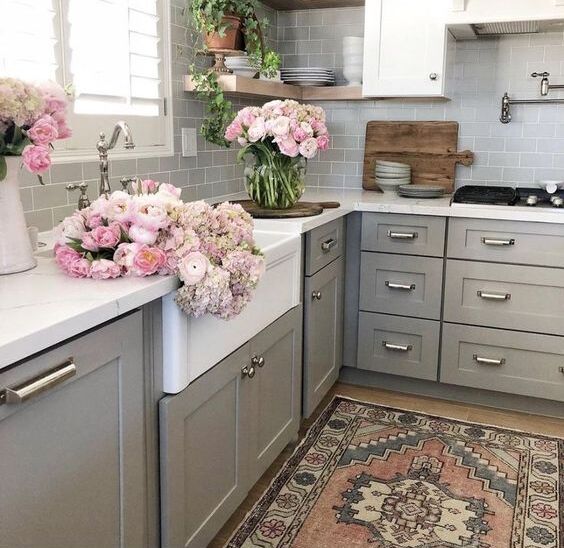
(239, 85)
(285, 5)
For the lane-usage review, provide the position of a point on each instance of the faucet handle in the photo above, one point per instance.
(125, 182)
(83, 200)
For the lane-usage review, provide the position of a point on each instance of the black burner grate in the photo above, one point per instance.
(474, 194)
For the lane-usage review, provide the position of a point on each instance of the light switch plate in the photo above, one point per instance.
(189, 142)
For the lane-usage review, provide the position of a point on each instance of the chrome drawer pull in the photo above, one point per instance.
(38, 384)
(402, 235)
(488, 361)
(247, 371)
(258, 361)
(561, 369)
(403, 287)
(328, 245)
(494, 296)
(498, 243)
(397, 347)
(316, 295)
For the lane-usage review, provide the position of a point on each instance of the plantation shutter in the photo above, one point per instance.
(28, 40)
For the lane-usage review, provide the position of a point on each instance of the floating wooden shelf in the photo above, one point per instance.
(239, 85)
(285, 5)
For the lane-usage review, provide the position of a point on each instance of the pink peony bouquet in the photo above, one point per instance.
(32, 118)
(282, 136)
(152, 231)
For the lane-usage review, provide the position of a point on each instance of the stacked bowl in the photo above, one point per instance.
(391, 175)
(240, 65)
(353, 59)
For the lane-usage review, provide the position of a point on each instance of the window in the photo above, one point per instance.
(115, 53)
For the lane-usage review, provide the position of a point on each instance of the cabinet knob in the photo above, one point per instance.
(316, 295)
(248, 371)
(258, 361)
(434, 76)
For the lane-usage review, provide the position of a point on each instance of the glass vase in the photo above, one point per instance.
(276, 181)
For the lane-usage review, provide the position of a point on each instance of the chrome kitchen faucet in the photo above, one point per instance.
(103, 146)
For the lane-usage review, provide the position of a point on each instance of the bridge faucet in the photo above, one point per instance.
(103, 146)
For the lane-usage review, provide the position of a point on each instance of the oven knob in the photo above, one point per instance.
(557, 201)
(532, 200)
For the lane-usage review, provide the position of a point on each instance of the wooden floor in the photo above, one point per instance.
(472, 413)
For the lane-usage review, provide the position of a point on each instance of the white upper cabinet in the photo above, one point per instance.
(485, 11)
(405, 48)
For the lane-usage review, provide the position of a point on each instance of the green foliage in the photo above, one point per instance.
(206, 16)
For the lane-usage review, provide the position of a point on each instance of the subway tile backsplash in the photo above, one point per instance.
(528, 149)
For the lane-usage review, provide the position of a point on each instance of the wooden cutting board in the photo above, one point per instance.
(430, 148)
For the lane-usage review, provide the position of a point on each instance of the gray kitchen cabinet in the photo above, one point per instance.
(222, 432)
(204, 453)
(323, 333)
(324, 244)
(73, 457)
(276, 354)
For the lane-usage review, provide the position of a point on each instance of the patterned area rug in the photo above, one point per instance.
(367, 475)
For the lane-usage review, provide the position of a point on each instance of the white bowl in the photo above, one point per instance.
(388, 163)
(388, 187)
(247, 73)
(393, 182)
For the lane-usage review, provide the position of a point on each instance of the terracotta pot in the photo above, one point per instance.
(233, 39)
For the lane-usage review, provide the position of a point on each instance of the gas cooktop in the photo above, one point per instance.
(508, 196)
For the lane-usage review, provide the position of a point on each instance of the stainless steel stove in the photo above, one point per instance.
(508, 196)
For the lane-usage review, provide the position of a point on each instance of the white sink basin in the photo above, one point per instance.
(193, 346)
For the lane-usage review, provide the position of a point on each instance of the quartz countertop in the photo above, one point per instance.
(43, 307)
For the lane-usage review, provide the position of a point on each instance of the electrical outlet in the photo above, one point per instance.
(189, 142)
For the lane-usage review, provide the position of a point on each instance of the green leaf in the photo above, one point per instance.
(3, 168)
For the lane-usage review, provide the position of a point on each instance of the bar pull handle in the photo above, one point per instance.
(397, 347)
(37, 385)
(402, 287)
(488, 361)
(328, 245)
(498, 243)
(402, 235)
(494, 296)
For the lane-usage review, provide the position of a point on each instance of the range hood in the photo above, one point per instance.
(503, 28)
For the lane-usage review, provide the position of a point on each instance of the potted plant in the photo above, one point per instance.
(31, 119)
(281, 136)
(222, 25)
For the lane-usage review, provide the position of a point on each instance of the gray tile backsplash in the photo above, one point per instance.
(528, 149)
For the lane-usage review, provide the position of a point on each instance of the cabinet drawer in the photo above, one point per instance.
(405, 234)
(526, 298)
(400, 346)
(409, 286)
(506, 242)
(323, 245)
(504, 361)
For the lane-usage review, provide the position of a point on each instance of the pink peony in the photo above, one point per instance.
(54, 96)
(323, 142)
(242, 141)
(124, 255)
(280, 127)
(258, 130)
(104, 269)
(299, 135)
(169, 191)
(143, 235)
(234, 130)
(64, 132)
(118, 206)
(248, 116)
(148, 260)
(44, 131)
(89, 243)
(289, 147)
(80, 268)
(193, 268)
(149, 213)
(65, 256)
(36, 158)
(106, 236)
(308, 149)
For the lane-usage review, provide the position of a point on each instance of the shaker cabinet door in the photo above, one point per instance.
(405, 48)
(73, 457)
(276, 355)
(204, 453)
(323, 333)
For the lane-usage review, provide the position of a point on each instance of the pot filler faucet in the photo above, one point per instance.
(103, 146)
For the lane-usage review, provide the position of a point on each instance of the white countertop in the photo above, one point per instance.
(43, 307)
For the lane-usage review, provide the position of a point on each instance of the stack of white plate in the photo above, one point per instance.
(312, 76)
(391, 175)
(239, 65)
(421, 191)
